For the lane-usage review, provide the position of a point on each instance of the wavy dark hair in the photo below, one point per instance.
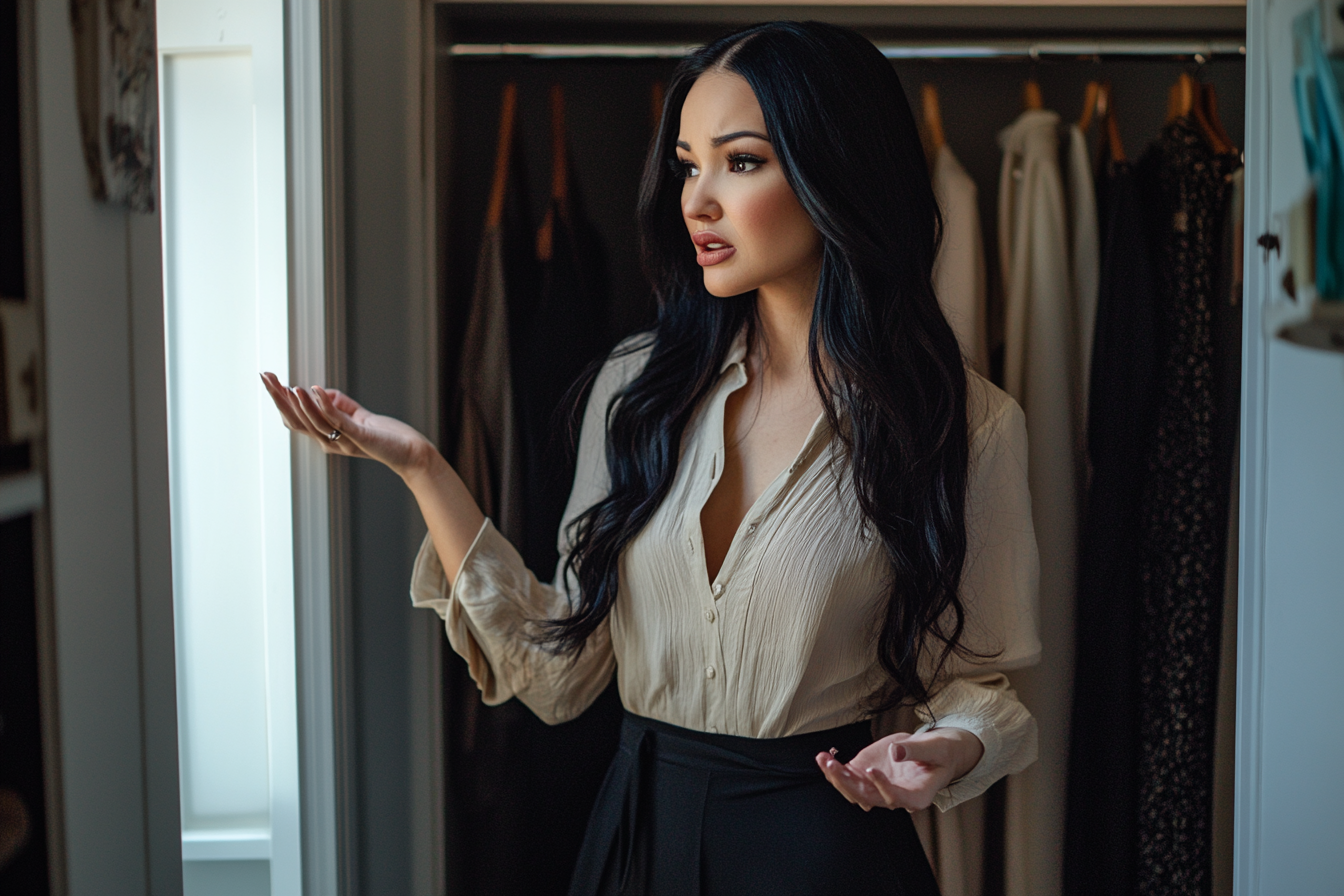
(892, 381)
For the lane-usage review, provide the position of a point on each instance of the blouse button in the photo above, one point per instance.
(751, 528)
(709, 615)
(718, 590)
(709, 671)
(713, 729)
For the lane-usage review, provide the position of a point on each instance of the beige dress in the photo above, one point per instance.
(959, 271)
(782, 641)
(1042, 372)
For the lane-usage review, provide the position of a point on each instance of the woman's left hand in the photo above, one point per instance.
(904, 771)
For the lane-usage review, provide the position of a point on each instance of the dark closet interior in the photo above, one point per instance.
(23, 818)
(498, 840)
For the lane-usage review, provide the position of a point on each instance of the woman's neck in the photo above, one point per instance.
(783, 322)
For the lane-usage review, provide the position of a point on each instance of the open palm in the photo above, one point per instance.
(318, 413)
(902, 771)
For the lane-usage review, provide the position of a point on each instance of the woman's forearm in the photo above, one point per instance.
(451, 513)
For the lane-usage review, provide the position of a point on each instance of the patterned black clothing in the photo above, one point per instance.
(1185, 502)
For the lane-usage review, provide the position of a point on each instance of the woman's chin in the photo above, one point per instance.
(723, 288)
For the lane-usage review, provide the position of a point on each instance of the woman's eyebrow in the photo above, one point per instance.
(726, 138)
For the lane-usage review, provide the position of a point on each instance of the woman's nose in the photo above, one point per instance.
(698, 200)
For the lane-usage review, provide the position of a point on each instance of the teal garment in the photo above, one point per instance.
(1318, 87)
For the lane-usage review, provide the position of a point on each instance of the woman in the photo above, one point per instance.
(794, 514)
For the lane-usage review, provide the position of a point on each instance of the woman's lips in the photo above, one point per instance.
(707, 257)
(711, 248)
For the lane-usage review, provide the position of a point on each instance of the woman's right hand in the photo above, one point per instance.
(318, 412)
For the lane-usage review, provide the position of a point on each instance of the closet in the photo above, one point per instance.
(1119, 73)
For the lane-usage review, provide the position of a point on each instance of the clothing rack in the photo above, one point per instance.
(1196, 51)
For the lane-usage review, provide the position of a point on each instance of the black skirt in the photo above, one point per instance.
(682, 812)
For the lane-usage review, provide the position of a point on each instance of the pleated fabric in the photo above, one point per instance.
(686, 813)
(1041, 357)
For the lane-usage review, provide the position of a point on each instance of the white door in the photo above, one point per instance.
(1290, 780)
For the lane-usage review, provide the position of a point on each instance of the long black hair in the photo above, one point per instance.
(893, 382)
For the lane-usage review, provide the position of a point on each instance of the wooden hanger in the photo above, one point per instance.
(1181, 97)
(1031, 95)
(1091, 97)
(1209, 103)
(559, 174)
(503, 154)
(1202, 123)
(933, 135)
(1114, 148)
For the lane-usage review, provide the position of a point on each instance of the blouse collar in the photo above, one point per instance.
(737, 352)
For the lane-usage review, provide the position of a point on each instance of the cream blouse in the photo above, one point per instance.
(783, 641)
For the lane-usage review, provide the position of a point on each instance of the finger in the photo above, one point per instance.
(893, 796)
(284, 403)
(340, 400)
(315, 425)
(914, 750)
(326, 426)
(341, 422)
(332, 411)
(834, 772)
(853, 785)
(315, 415)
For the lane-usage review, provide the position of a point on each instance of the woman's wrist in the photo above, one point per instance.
(422, 462)
(968, 750)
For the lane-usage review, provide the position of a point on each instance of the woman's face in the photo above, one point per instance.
(747, 227)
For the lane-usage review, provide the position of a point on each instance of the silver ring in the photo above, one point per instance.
(334, 435)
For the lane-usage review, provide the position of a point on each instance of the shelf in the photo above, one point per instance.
(237, 844)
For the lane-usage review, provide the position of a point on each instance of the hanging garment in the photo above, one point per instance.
(1185, 522)
(1041, 372)
(488, 457)
(1085, 263)
(557, 337)
(1100, 844)
(557, 331)
(959, 271)
(954, 839)
(500, 760)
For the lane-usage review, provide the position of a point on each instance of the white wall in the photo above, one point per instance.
(100, 287)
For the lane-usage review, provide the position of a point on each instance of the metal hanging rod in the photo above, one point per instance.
(1198, 51)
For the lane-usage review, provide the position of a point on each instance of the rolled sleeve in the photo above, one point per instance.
(987, 707)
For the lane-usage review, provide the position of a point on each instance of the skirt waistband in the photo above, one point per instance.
(790, 756)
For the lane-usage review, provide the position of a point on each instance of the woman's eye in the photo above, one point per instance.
(682, 168)
(741, 164)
